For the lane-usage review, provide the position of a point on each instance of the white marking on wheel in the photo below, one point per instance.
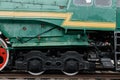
(36, 74)
(70, 74)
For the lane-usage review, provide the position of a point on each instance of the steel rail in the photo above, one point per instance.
(92, 76)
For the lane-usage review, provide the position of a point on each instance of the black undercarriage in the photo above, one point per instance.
(100, 55)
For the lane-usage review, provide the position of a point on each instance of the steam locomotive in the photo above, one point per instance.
(70, 36)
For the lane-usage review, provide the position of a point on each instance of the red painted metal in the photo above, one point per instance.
(3, 54)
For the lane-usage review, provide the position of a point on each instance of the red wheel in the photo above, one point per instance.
(4, 54)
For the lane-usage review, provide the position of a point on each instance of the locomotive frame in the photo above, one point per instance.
(70, 35)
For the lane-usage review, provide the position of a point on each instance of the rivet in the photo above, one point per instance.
(24, 28)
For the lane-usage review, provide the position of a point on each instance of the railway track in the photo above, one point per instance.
(92, 76)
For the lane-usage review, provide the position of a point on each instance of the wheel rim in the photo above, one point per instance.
(71, 67)
(4, 54)
(32, 73)
(70, 74)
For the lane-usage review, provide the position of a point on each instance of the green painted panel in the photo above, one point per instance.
(18, 28)
(33, 5)
(50, 44)
(47, 22)
(80, 13)
(65, 40)
(118, 18)
(93, 12)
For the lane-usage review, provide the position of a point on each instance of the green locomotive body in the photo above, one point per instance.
(28, 20)
(81, 32)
